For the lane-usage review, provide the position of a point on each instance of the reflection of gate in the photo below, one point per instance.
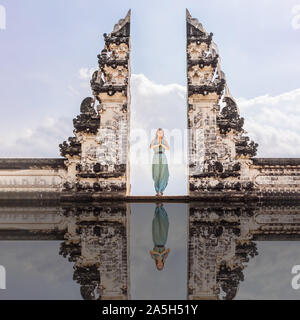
(95, 238)
(95, 163)
(222, 241)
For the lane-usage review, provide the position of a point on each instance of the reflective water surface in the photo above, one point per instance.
(122, 250)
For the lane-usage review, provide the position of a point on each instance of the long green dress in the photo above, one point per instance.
(160, 169)
(160, 227)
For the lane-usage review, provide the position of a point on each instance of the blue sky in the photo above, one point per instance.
(47, 47)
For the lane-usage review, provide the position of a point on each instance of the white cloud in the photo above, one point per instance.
(153, 106)
(274, 123)
(41, 141)
(86, 73)
(268, 275)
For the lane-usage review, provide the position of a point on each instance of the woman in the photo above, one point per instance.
(160, 169)
(160, 227)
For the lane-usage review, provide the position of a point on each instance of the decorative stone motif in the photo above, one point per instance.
(97, 242)
(98, 155)
(220, 156)
(221, 242)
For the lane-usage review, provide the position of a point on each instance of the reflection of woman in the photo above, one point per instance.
(160, 169)
(160, 227)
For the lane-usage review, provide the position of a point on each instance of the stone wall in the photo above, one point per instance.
(32, 178)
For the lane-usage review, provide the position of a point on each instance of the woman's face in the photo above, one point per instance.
(160, 133)
(159, 265)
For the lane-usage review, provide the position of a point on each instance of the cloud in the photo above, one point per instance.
(86, 73)
(153, 106)
(35, 271)
(268, 275)
(41, 141)
(274, 123)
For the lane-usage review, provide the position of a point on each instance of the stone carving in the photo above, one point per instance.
(221, 242)
(97, 156)
(88, 121)
(97, 243)
(220, 155)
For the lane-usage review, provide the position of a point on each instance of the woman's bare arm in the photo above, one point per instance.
(166, 145)
(166, 253)
(152, 145)
(152, 254)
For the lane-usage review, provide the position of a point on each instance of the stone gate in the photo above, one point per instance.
(95, 161)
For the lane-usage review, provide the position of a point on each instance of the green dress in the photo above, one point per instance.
(160, 169)
(160, 227)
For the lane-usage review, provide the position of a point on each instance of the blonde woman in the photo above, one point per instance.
(160, 169)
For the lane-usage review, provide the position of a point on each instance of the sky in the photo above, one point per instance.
(49, 49)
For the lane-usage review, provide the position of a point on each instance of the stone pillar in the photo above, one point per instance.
(97, 242)
(216, 145)
(98, 155)
(219, 247)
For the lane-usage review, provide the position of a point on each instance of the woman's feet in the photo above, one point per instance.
(159, 193)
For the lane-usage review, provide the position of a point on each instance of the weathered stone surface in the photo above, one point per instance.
(98, 155)
(97, 242)
(25, 176)
(31, 163)
(220, 157)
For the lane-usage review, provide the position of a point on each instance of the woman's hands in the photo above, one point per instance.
(164, 145)
(154, 146)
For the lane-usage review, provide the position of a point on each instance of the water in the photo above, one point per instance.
(103, 251)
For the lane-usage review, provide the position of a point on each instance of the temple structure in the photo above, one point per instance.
(221, 158)
(95, 239)
(95, 161)
(222, 238)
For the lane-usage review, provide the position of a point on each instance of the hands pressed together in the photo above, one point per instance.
(158, 145)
